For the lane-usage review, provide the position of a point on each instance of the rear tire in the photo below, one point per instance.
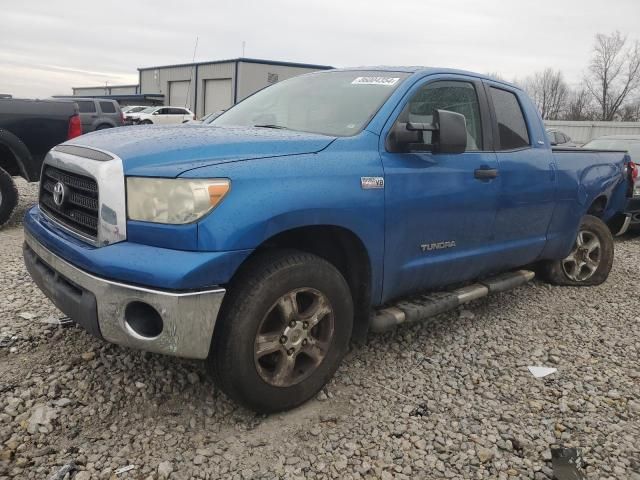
(8, 197)
(284, 328)
(103, 127)
(146, 122)
(590, 260)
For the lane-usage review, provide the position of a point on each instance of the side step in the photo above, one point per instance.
(422, 307)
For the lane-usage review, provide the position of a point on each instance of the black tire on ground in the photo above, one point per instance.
(146, 122)
(257, 290)
(8, 197)
(104, 126)
(596, 264)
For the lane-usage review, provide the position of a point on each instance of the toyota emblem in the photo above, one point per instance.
(59, 193)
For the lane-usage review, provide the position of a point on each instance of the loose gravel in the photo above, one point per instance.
(450, 398)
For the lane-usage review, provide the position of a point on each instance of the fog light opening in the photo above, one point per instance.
(143, 320)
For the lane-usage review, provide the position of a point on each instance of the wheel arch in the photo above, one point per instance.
(14, 156)
(343, 249)
(598, 206)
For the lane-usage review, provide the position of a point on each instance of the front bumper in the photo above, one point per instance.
(100, 306)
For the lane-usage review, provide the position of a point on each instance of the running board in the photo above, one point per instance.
(421, 307)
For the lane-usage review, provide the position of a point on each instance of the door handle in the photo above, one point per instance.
(485, 173)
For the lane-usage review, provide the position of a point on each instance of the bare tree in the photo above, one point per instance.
(630, 112)
(614, 73)
(579, 105)
(549, 92)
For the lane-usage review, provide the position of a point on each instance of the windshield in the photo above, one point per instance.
(632, 146)
(136, 109)
(148, 110)
(330, 103)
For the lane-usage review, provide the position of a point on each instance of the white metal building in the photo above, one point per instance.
(207, 87)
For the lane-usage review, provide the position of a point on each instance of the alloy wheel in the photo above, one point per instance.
(294, 337)
(584, 260)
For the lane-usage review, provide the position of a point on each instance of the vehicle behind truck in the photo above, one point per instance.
(28, 130)
(316, 210)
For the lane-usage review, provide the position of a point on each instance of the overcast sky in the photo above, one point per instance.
(49, 46)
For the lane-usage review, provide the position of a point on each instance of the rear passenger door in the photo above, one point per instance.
(162, 116)
(527, 173)
(110, 112)
(88, 114)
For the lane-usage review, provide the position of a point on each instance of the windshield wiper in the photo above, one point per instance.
(271, 125)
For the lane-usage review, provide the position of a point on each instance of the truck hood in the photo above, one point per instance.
(168, 151)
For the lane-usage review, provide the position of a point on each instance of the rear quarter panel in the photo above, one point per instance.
(582, 177)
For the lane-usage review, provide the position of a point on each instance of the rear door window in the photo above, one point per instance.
(107, 107)
(512, 128)
(86, 106)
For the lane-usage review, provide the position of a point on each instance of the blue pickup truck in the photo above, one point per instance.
(312, 212)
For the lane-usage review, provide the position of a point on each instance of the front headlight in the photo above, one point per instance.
(173, 200)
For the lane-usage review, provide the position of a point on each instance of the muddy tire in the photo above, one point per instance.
(8, 197)
(284, 328)
(590, 260)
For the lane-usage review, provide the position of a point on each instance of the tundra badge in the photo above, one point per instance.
(427, 247)
(368, 183)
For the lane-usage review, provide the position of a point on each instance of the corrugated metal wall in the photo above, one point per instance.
(213, 71)
(157, 81)
(582, 132)
(255, 76)
(79, 92)
(125, 90)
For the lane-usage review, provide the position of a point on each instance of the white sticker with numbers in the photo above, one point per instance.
(388, 81)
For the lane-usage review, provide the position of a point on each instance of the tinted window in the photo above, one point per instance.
(177, 111)
(86, 106)
(458, 97)
(164, 111)
(512, 129)
(107, 107)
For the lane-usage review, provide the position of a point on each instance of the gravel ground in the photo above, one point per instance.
(451, 398)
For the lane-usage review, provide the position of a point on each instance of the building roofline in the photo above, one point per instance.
(115, 96)
(242, 60)
(108, 86)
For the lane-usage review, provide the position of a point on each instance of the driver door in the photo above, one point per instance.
(440, 208)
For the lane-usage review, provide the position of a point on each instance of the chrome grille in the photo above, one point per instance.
(79, 211)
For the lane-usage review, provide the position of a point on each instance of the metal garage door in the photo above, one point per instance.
(217, 95)
(178, 92)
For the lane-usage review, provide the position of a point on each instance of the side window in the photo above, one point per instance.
(163, 111)
(86, 106)
(107, 107)
(553, 139)
(512, 129)
(177, 111)
(455, 96)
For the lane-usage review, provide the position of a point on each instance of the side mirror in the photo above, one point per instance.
(449, 134)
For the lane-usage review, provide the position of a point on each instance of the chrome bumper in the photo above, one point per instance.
(188, 318)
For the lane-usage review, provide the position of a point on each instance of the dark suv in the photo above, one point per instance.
(99, 113)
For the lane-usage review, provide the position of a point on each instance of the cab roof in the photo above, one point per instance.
(424, 71)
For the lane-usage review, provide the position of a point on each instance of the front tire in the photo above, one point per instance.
(590, 260)
(283, 331)
(8, 197)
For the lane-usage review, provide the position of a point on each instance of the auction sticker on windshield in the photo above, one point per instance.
(389, 81)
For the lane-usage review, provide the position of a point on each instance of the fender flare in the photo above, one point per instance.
(19, 150)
